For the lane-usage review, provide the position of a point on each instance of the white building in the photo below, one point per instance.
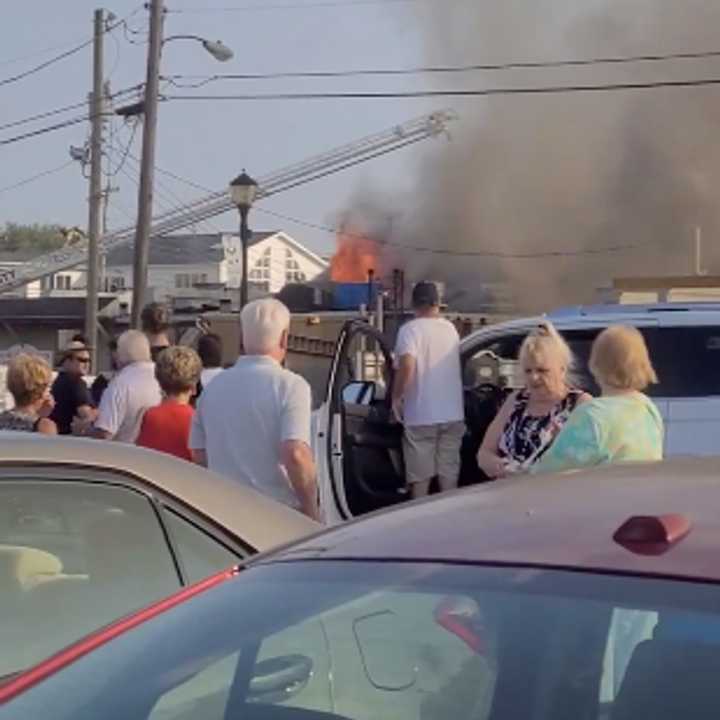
(179, 264)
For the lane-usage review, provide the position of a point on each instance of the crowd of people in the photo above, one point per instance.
(252, 421)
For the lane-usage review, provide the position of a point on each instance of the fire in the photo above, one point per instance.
(355, 257)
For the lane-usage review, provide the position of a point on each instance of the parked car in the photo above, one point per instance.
(358, 446)
(594, 594)
(92, 530)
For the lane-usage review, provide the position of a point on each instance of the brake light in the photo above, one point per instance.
(461, 616)
(652, 534)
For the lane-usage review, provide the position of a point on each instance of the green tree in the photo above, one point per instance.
(15, 237)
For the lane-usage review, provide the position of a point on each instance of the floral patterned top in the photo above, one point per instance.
(618, 428)
(525, 437)
(17, 421)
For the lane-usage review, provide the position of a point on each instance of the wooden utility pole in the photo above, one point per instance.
(95, 200)
(147, 164)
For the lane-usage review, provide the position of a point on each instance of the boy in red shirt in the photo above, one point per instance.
(166, 427)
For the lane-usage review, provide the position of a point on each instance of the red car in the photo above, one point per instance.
(591, 595)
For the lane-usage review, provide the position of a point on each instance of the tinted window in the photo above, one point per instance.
(200, 554)
(322, 640)
(73, 557)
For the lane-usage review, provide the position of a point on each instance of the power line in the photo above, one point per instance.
(43, 174)
(540, 90)
(61, 110)
(447, 69)
(296, 6)
(67, 53)
(42, 131)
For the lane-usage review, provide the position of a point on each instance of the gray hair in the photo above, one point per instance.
(133, 346)
(263, 323)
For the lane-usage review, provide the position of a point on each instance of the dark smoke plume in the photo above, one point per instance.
(573, 172)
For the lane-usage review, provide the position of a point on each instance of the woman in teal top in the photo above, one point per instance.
(623, 425)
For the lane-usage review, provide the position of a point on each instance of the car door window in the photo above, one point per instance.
(73, 557)
(200, 554)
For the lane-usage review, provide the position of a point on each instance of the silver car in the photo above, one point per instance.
(90, 531)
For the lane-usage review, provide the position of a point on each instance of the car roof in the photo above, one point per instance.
(593, 316)
(255, 519)
(565, 520)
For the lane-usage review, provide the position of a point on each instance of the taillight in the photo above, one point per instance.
(462, 617)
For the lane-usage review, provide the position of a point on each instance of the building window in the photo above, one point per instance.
(182, 280)
(295, 276)
(63, 282)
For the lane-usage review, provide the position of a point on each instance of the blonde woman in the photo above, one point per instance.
(28, 380)
(623, 424)
(531, 418)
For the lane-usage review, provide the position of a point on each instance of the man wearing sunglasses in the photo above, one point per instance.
(70, 391)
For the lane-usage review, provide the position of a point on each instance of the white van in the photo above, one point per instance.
(358, 448)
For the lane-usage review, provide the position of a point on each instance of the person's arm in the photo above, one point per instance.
(295, 453)
(83, 401)
(110, 414)
(297, 458)
(578, 444)
(488, 459)
(197, 442)
(404, 376)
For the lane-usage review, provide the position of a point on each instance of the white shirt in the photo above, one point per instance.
(208, 374)
(131, 391)
(244, 416)
(435, 394)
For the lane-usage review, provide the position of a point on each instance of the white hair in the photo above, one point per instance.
(263, 323)
(133, 346)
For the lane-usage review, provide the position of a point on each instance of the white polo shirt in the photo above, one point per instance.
(243, 417)
(131, 391)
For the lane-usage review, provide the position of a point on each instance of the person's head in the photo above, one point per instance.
(155, 319)
(28, 380)
(76, 358)
(210, 350)
(178, 370)
(133, 346)
(619, 360)
(265, 326)
(546, 360)
(425, 299)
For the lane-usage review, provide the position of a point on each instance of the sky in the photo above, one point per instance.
(209, 142)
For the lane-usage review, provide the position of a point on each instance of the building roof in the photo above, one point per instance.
(186, 249)
(561, 521)
(47, 308)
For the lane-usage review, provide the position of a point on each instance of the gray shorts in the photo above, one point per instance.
(431, 450)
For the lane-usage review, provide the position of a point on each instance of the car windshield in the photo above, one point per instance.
(324, 639)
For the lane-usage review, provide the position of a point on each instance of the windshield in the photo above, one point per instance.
(358, 640)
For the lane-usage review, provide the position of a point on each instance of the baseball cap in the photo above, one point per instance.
(425, 294)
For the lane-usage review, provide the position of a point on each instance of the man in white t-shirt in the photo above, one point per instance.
(253, 421)
(131, 391)
(428, 395)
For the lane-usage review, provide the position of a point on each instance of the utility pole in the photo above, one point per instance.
(95, 200)
(147, 165)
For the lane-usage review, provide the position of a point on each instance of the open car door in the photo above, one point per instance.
(362, 442)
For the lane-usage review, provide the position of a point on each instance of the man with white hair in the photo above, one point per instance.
(252, 422)
(131, 391)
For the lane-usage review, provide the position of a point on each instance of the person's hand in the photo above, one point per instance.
(81, 426)
(491, 464)
(45, 410)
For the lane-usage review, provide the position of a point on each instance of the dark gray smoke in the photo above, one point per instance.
(576, 173)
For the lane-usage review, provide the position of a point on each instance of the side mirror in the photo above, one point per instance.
(359, 392)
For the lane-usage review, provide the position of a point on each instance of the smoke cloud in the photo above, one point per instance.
(576, 173)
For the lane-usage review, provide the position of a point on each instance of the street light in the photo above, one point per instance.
(147, 166)
(243, 190)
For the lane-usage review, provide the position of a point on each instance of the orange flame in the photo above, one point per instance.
(355, 257)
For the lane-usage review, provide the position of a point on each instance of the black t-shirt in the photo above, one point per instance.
(70, 393)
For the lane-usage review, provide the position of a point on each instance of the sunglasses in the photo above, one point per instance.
(83, 360)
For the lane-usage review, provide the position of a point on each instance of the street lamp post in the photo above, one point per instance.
(147, 164)
(243, 190)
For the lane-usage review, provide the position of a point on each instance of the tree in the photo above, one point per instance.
(15, 237)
